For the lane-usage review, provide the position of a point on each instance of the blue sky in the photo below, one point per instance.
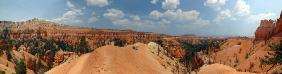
(177, 17)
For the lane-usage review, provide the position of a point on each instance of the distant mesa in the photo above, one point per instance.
(269, 29)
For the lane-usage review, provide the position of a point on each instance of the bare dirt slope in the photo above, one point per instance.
(133, 59)
(219, 69)
(243, 55)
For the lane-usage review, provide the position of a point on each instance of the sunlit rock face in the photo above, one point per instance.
(269, 29)
(265, 30)
(278, 28)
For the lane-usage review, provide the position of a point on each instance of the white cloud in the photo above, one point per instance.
(116, 17)
(174, 15)
(114, 14)
(135, 17)
(201, 22)
(170, 4)
(122, 22)
(93, 18)
(242, 8)
(215, 3)
(261, 16)
(70, 5)
(154, 1)
(225, 14)
(155, 14)
(71, 16)
(100, 3)
(179, 17)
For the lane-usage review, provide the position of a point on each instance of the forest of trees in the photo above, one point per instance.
(38, 46)
(206, 46)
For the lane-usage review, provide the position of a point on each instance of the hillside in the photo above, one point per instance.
(132, 59)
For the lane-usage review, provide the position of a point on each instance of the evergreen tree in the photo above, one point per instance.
(119, 42)
(7, 44)
(83, 46)
(20, 67)
(6, 34)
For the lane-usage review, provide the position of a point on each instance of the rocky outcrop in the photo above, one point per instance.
(269, 29)
(170, 63)
(61, 57)
(265, 30)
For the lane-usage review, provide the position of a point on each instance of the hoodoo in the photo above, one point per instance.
(269, 29)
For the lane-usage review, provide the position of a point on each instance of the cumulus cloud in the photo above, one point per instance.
(176, 15)
(215, 3)
(71, 16)
(100, 3)
(242, 8)
(155, 14)
(261, 16)
(135, 17)
(170, 4)
(154, 1)
(182, 20)
(202, 22)
(116, 17)
(93, 18)
(114, 14)
(225, 14)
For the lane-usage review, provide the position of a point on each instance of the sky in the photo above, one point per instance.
(175, 17)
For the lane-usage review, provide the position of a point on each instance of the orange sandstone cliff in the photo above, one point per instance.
(269, 29)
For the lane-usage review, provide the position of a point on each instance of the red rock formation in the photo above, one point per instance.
(265, 30)
(269, 29)
(278, 28)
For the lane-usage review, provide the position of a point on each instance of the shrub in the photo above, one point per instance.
(20, 67)
(247, 55)
(277, 56)
(191, 49)
(159, 42)
(119, 42)
(5, 34)
(2, 72)
(50, 45)
(83, 46)
(64, 46)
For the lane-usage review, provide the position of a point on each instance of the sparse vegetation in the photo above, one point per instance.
(159, 42)
(119, 42)
(2, 72)
(277, 56)
(247, 55)
(20, 67)
(83, 46)
(65, 46)
(207, 46)
(39, 46)
(6, 46)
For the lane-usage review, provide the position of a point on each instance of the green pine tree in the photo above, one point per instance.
(20, 67)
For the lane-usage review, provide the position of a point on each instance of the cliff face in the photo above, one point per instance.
(269, 29)
(265, 30)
